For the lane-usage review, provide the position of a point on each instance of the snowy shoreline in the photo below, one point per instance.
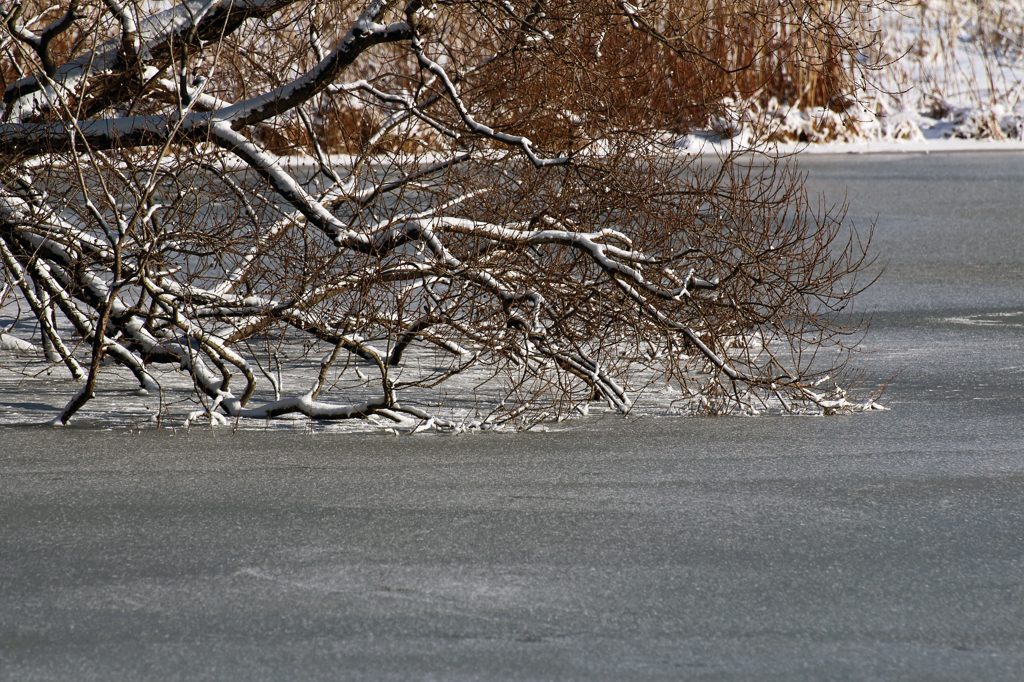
(926, 146)
(705, 142)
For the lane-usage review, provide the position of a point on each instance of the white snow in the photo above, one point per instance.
(952, 79)
(13, 343)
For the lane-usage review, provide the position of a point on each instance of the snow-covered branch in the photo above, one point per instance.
(441, 215)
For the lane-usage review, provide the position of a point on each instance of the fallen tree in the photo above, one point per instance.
(421, 195)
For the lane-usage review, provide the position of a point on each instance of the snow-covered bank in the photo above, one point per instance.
(932, 146)
(925, 146)
(712, 145)
(938, 76)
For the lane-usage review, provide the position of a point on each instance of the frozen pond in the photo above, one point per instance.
(870, 547)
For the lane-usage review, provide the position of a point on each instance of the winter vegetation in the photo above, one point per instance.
(932, 70)
(953, 69)
(449, 214)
